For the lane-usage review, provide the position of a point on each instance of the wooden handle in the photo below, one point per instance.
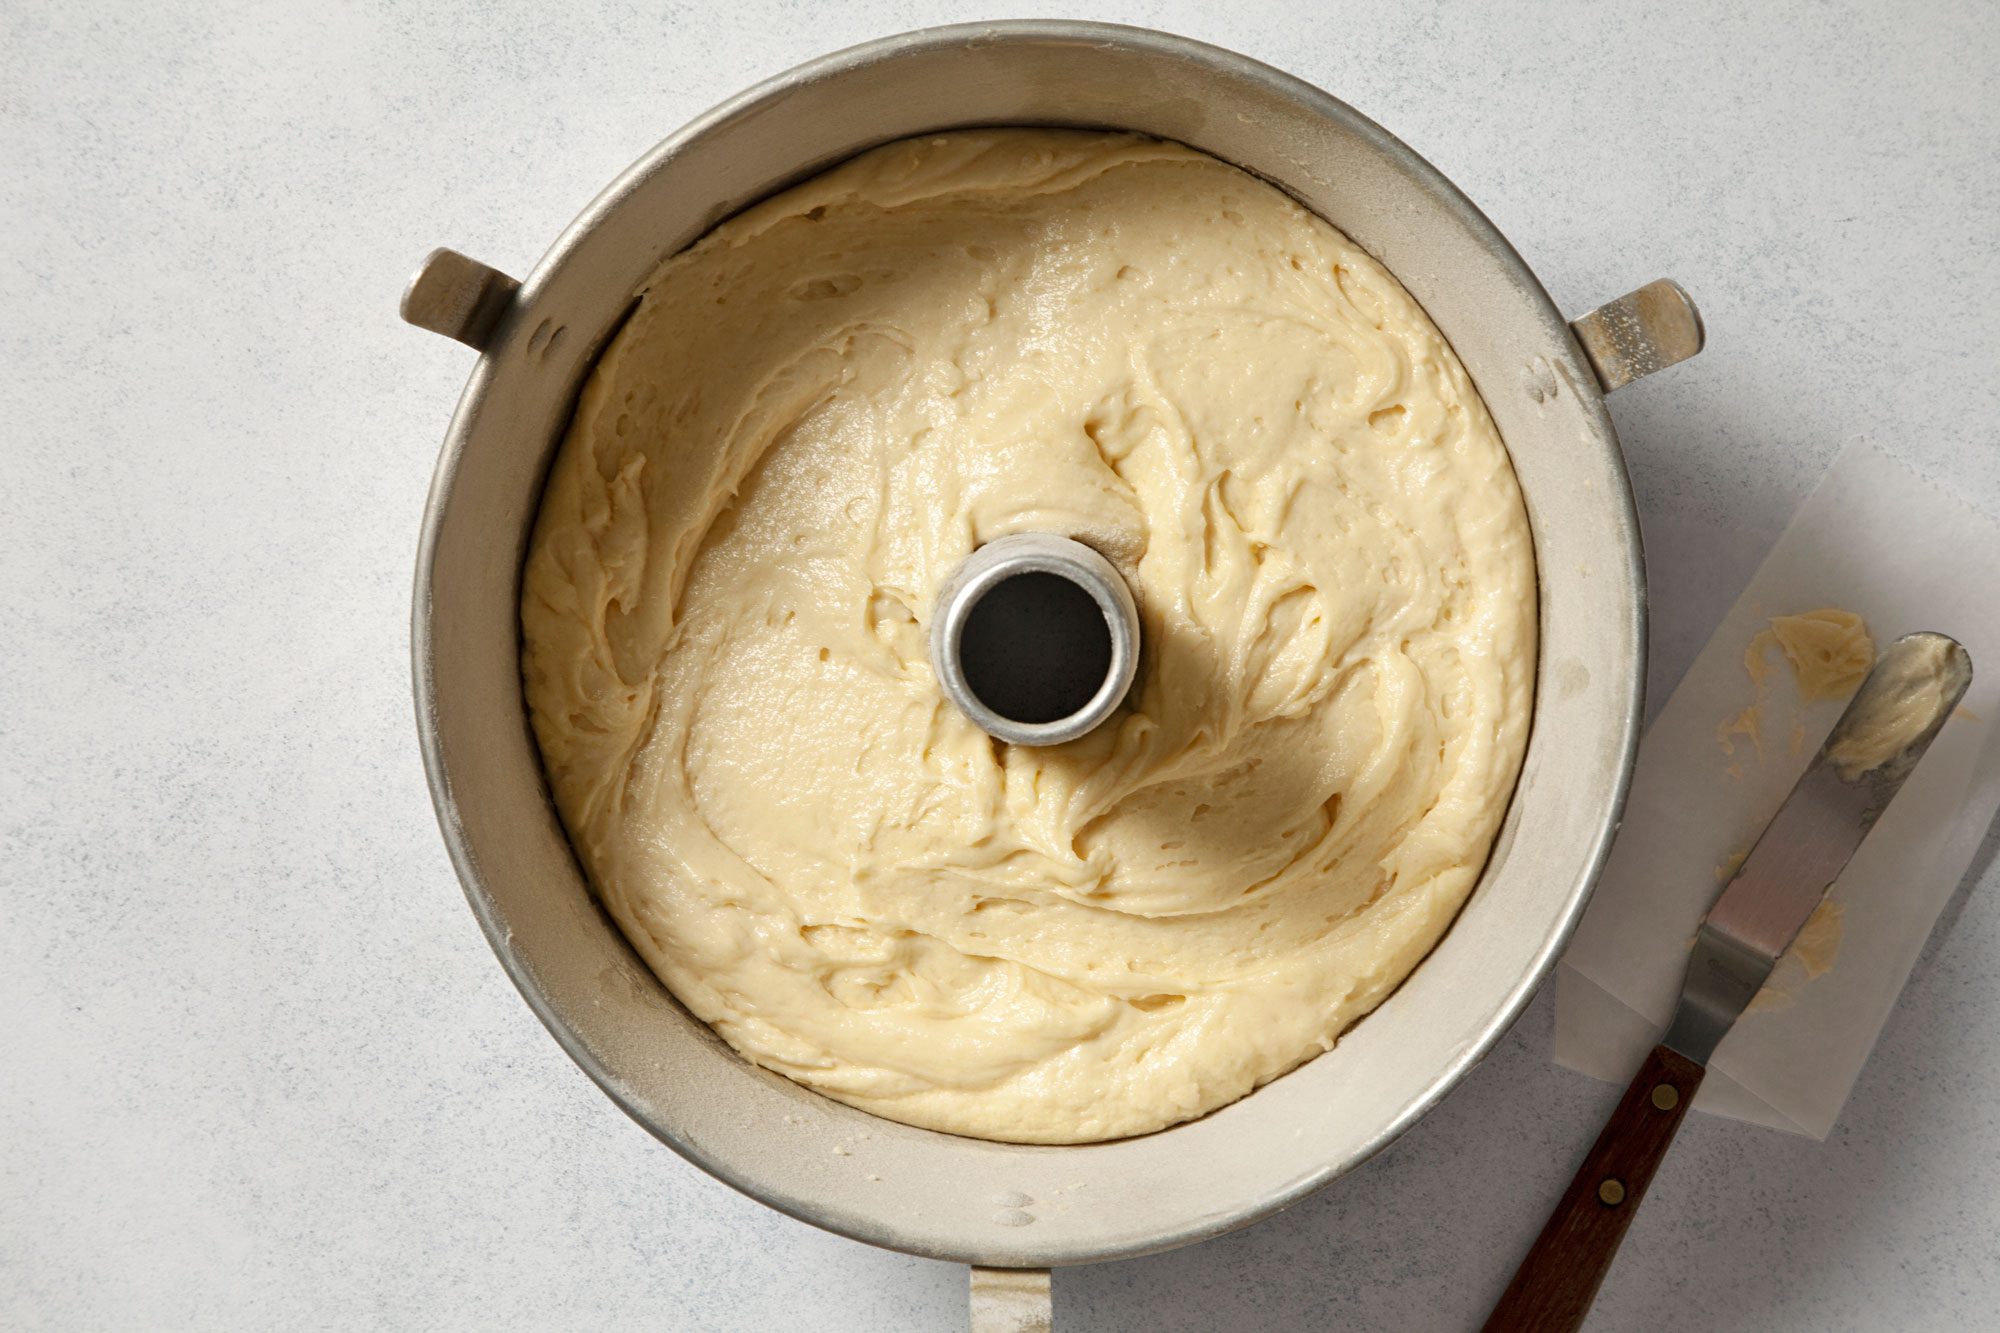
(1556, 1283)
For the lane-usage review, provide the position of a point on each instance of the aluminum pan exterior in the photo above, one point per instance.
(916, 1190)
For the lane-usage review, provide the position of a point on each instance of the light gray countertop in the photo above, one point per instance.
(259, 1068)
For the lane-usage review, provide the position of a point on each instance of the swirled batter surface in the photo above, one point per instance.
(832, 399)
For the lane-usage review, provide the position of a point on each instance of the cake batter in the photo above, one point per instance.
(828, 402)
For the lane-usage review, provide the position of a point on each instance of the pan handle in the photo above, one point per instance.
(1641, 332)
(458, 297)
(1011, 1300)
(1553, 1288)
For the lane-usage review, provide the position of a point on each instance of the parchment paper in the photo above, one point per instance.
(1878, 540)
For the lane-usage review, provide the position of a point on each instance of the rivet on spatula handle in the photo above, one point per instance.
(1553, 1288)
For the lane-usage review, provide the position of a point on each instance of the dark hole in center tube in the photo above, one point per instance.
(1035, 648)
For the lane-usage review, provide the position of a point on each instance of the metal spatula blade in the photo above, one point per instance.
(1888, 725)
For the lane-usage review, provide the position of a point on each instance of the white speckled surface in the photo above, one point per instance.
(258, 1067)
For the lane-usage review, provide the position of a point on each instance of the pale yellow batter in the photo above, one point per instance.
(1830, 651)
(824, 406)
(1915, 682)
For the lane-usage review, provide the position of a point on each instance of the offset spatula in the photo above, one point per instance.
(1887, 727)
